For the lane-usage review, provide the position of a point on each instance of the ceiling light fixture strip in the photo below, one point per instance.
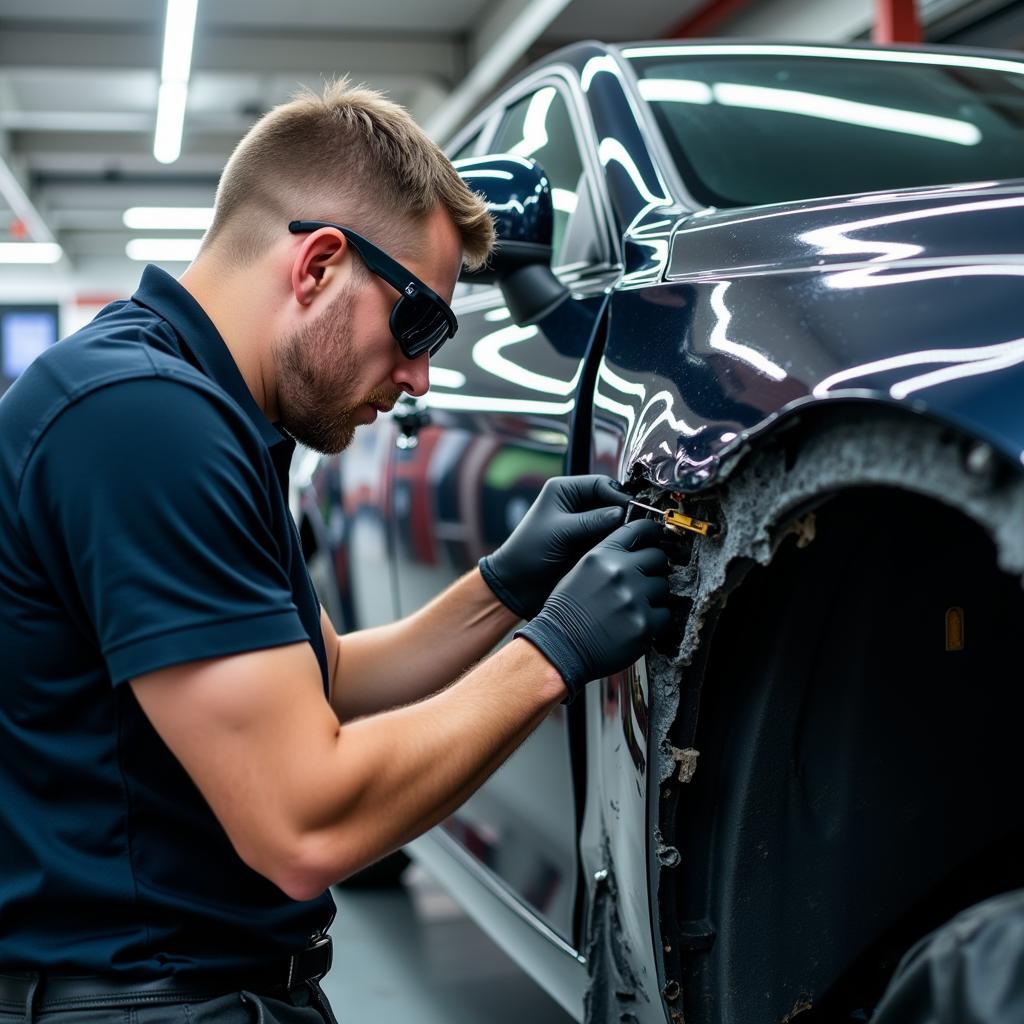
(179, 32)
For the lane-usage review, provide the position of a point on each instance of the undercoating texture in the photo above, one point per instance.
(614, 987)
(763, 497)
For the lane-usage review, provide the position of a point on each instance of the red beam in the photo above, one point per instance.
(896, 21)
(706, 18)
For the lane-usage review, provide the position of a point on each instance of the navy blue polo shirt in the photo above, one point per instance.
(143, 523)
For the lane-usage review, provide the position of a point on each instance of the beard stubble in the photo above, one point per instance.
(316, 368)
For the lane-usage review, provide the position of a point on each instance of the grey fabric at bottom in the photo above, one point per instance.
(306, 1005)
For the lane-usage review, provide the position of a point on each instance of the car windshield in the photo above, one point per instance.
(757, 124)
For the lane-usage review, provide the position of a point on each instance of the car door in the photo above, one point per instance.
(473, 455)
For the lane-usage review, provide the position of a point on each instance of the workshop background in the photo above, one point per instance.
(110, 150)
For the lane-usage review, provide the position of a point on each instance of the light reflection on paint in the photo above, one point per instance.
(487, 354)
(692, 227)
(876, 276)
(470, 175)
(595, 66)
(652, 267)
(1013, 356)
(834, 240)
(972, 361)
(744, 353)
(603, 401)
(512, 206)
(937, 192)
(628, 387)
(626, 412)
(611, 151)
(552, 438)
(459, 164)
(501, 313)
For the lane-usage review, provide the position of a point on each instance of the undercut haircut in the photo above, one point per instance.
(349, 156)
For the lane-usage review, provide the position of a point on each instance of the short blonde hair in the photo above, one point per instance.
(347, 155)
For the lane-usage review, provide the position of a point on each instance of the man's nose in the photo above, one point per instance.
(413, 375)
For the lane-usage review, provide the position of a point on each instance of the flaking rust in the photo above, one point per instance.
(687, 761)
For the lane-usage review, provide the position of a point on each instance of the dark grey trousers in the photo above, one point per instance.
(304, 1005)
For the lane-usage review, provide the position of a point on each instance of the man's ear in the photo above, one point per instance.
(320, 256)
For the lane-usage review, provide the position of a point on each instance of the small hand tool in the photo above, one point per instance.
(673, 517)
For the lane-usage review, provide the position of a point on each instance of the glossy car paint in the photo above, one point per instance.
(720, 326)
(907, 300)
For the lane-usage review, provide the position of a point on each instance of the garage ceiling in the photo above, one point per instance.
(79, 83)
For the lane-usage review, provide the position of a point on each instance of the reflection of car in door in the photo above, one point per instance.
(835, 384)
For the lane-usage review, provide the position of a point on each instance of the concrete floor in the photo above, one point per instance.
(410, 956)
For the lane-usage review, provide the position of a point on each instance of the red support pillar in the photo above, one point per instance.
(896, 21)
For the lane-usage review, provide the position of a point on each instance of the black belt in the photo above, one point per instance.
(47, 992)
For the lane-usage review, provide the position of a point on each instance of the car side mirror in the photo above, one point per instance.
(518, 197)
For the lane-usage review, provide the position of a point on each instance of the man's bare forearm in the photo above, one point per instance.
(401, 772)
(457, 738)
(307, 800)
(393, 665)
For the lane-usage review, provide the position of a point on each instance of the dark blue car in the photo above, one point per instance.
(778, 289)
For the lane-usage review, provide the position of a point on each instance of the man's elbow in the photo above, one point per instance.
(305, 866)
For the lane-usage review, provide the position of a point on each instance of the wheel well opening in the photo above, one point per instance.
(858, 780)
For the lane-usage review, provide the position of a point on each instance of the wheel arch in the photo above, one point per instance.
(767, 493)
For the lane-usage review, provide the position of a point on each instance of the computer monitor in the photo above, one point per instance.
(25, 332)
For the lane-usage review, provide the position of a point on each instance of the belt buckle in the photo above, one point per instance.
(312, 963)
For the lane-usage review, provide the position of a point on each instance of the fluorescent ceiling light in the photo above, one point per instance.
(158, 250)
(30, 252)
(180, 218)
(179, 32)
(170, 121)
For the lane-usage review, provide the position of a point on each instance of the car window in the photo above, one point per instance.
(539, 126)
(771, 128)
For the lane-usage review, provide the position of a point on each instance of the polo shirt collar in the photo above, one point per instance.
(162, 294)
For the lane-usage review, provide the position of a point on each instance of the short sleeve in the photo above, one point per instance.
(148, 503)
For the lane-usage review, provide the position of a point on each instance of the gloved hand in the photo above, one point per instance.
(570, 515)
(608, 609)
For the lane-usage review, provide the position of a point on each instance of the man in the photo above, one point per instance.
(189, 754)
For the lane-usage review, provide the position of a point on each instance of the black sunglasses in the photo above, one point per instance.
(421, 320)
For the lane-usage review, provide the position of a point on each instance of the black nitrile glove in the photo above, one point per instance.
(570, 515)
(608, 609)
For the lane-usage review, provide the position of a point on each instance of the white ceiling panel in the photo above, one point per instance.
(55, 88)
